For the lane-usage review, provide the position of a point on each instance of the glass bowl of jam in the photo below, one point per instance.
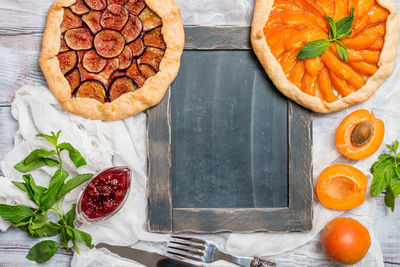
(104, 195)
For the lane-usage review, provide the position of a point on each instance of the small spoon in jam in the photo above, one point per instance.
(104, 195)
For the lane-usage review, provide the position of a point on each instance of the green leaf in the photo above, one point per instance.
(37, 154)
(344, 25)
(342, 51)
(383, 173)
(38, 163)
(49, 197)
(43, 251)
(69, 217)
(50, 138)
(395, 187)
(74, 154)
(20, 185)
(15, 214)
(34, 191)
(389, 198)
(73, 183)
(80, 236)
(39, 221)
(314, 49)
(332, 33)
(49, 229)
(396, 146)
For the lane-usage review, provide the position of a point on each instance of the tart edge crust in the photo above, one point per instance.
(130, 103)
(274, 70)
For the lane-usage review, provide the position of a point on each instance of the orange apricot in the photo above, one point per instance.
(313, 66)
(345, 240)
(325, 86)
(360, 134)
(296, 73)
(340, 9)
(308, 84)
(340, 85)
(328, 7)
(364, 68)
(273, 38)
(287, 60)
(377, 45)
(341, 187)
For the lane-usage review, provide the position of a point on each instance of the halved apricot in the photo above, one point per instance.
(109, 43)
(341, 187)
(360, 134)
(149, 19)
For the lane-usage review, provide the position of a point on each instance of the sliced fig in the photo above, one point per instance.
(137, 47)
(117, 74)
(114, 17)
(79, 39)
(135, 6)
(79, 8)
(154, 38)
(153, 57)
(63, 45)
(70, 21)
(96, 4)
(118, 2)
(150, 19)
(92, 89)
(92, 20)
(109, 43)
(121, 86)
(104, 75)
(74, 79)
(92, 62)
(147, 70)
(132, 29)
(134, 73)
(111, 66)
(125, 59)
(67, 60)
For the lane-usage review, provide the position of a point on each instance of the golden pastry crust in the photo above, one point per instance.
(275, 72)
(130, 103)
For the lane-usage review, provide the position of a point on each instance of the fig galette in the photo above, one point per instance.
(326, 55)
(111, 59)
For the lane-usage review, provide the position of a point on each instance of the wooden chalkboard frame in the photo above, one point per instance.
(164, 218)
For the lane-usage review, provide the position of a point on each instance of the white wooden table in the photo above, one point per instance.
(21, 27)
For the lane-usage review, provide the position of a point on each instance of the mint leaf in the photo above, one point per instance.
(49, 229)
(396, 146)
(314, 49)
(37, 154)
(80, 236)
(43, 251)
(389, 198)
(20, 185)
(342, 51)
(34, 191)
(52, 139)
(382, 173)
(344, 25)
(73, 183)
(39, 221)
(69, 217)
(395, 187)
(332, 33)
(15, 214)
(35, 164)
(49, 197)
(74, 154)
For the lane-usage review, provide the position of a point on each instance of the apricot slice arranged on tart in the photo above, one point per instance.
(120, 56)
(326, 55)
(360, 134)
(341, 187)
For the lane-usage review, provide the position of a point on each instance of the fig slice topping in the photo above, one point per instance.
(118, 2)
(67, 60)
(135, 6)
(70, 21)
(96, 4)
(362, 133)
(150, 19)
(63, 45)
(147, 70)
(125, 59)
(154, 38)
(109, 43)
(132, 29)
(114, 17)
(92, 62)
(117, 74)
(79, 8)
(121, 86)
(92, 20)
(92, 89)
(134, 73)
(137, 47)
(153, 57)
(79, 39)
(74, 79)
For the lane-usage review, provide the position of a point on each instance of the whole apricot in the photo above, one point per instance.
(345, 240)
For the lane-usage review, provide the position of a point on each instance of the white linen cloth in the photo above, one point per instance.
(106, 144)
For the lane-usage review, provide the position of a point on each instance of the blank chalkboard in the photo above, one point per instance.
(227, 152)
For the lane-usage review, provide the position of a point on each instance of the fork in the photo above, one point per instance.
(203, 251)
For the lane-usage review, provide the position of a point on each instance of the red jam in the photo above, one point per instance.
(105, 193)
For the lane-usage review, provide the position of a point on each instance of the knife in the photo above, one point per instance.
(143, 257)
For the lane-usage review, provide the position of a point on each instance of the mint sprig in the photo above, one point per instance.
(386, 174)
(35, 221)
(339, 30)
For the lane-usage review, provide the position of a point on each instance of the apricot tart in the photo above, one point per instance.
(347, 69)
(111, 59)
